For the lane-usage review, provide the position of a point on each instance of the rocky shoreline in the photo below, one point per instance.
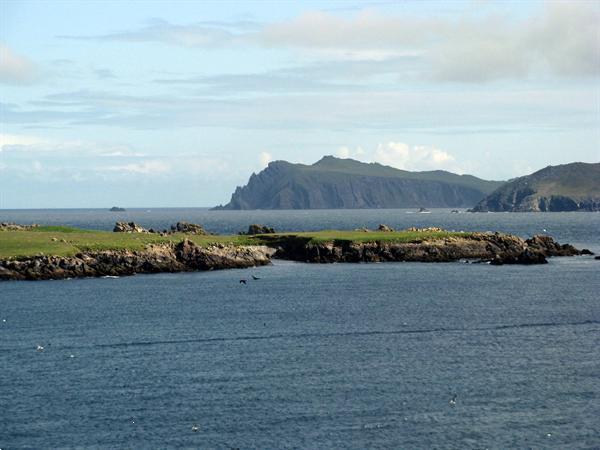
(493, 248)
(185, 256)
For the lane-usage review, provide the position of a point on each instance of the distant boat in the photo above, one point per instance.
(117, 209)
(423, 211)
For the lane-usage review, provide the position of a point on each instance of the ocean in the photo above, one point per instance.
(357, 356)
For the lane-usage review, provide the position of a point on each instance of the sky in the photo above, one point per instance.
(148, 104)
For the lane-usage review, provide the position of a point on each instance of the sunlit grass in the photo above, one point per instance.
(67, 241)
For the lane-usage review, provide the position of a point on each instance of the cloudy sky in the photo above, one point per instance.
(177, 103)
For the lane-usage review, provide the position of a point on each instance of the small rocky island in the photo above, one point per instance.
(117, 209)
(39, 253)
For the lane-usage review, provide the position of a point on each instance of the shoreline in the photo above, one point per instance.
(89, 254)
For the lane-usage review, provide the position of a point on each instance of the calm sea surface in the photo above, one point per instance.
(309, 356)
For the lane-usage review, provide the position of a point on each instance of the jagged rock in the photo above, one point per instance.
(129, 227)
(10, 226)
(549, 247)
(259, 229)
(585, 251)
(189, 228)
(527, 256)
(383, 227)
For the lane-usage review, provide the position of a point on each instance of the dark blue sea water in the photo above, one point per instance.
(309, 356)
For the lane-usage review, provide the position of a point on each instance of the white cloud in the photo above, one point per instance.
(560, 38)
(418, 157)
(14, 68)
(10, 140)
(144, 167)
(347, 152)
(264, 158)
(194, 35)
(124, 153)
(406, 157)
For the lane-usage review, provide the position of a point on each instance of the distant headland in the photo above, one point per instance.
(570, 187)
(335, 183)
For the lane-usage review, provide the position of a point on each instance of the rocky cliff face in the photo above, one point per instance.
(571, 187)
(492, 247)
(182, 257)
(335, 183)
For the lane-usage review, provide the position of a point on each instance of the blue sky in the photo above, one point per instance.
(176, 103)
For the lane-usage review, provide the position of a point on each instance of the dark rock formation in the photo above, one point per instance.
(259, 229)
(129, 227)
(499, 248)
(383, 227)
(181, 257)
(548, 247)
(345, 183)
(570, 187)
(188, 228)
(117, 209)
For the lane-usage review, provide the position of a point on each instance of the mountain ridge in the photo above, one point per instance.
(335, 183)
(566, 187)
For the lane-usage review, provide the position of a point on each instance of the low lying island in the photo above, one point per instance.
(50, 252)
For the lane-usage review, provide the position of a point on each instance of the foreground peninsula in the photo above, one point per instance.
(43, 252)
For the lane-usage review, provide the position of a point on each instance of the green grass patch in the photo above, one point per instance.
(67, 241)
(372, 236)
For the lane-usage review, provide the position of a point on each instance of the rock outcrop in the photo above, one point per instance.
(129, 227)
(383, 227)
(10, 226)
(182, 257)
(188, 228)
(259, 229)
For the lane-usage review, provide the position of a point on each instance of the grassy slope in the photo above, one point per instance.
(64, 241)
(330, 165)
